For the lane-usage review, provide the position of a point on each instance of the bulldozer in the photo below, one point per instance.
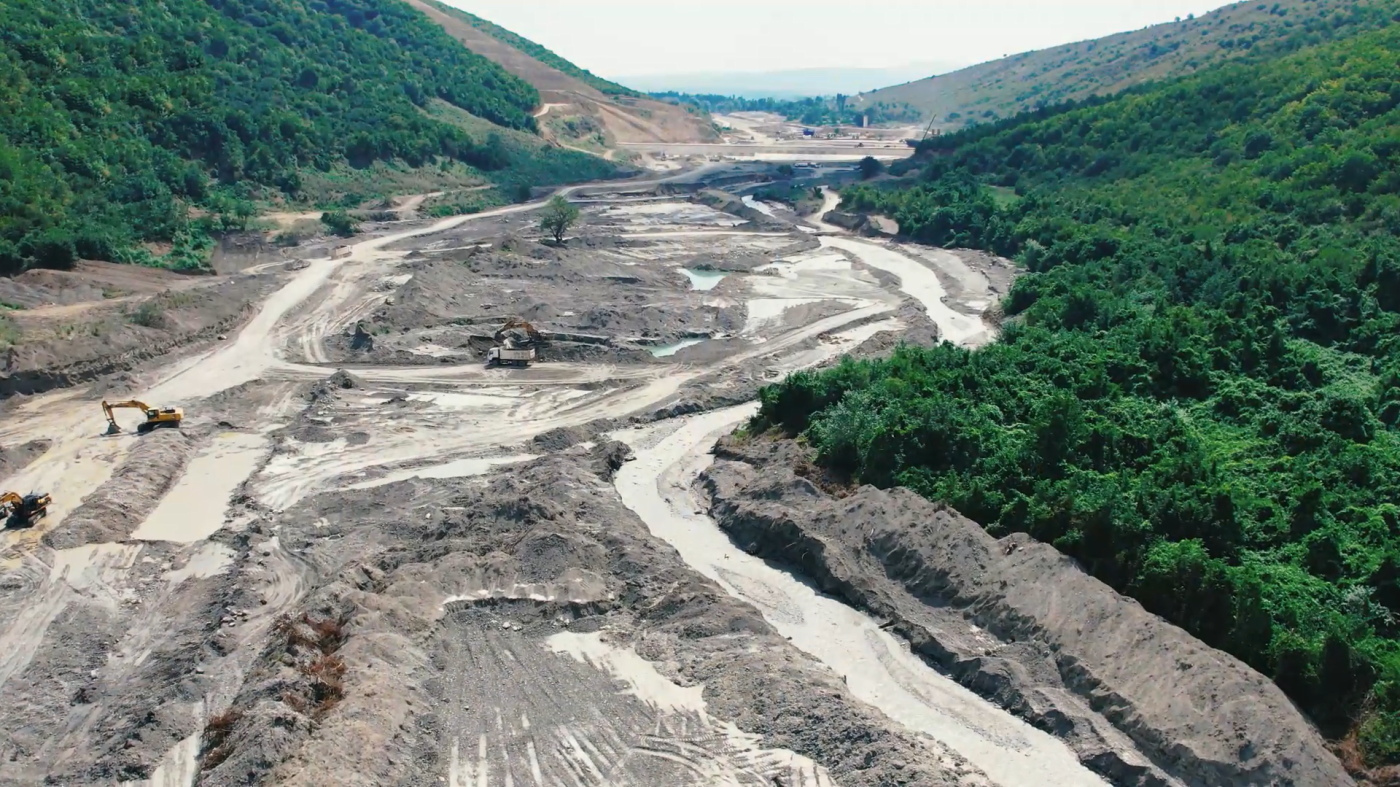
(155, 416)
(17, 512)
(515, 344)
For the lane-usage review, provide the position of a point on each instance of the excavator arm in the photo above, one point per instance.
(108, 407)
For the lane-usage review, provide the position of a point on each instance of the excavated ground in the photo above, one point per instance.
(418, 570)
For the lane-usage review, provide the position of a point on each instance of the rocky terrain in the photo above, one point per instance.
(1019, 623)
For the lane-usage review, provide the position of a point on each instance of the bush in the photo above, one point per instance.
(340, 223)
(149, 315)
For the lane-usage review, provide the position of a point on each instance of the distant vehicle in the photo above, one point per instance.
(515, 344)
(507, 356)
(807, 132)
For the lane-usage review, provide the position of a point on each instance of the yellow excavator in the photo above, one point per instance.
(515, 344)
(16, 511)
(155, 416)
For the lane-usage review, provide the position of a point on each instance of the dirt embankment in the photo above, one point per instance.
(1022, 625)
(17, 457)
(76, 339)
(120, 506)
(523, 624)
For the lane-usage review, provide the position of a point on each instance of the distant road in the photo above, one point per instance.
(826, 150)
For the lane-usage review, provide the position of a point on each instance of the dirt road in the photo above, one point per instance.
(428, 571)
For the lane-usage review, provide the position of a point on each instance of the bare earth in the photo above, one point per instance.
(368, 559)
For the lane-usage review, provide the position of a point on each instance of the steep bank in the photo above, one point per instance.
(1022, 625)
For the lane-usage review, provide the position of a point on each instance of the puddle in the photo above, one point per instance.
(460, 468)
(761, 207)
(703, 280)
(194, 509)
(209, 561)
(667, 350)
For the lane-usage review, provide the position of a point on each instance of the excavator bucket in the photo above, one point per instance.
(112, 428)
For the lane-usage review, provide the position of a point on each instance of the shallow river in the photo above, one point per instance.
(879, 668)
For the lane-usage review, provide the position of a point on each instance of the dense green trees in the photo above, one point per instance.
(1196, 394)
(117, 120)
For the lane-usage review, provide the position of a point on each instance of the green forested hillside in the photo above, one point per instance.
(1103, 66)
(120, 121)
(1197, 392)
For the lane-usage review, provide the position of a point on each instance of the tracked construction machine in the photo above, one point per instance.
(155, 416)
(17, 511)
(515, 344)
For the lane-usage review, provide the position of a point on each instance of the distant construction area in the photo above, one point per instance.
(761, 136)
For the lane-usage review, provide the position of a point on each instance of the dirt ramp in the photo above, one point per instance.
(1140, 700)
(114, 511)
(15, 458)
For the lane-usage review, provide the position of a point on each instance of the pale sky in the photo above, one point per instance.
(618, 38)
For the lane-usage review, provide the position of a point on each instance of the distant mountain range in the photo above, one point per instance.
(1002, 88)
(797, 83)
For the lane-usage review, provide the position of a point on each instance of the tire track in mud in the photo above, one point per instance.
(86, 574)
(570, 710)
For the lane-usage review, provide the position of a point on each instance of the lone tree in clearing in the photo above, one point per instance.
(558, 217)
(870, 167)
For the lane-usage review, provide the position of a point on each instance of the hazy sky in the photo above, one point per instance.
(615, 38)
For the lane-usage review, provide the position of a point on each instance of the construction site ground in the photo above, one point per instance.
(368, 559)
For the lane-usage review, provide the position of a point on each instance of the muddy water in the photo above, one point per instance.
(194, 509)
(918, 281)
(878, 668)
(761, 207)
(667, 350)
(703, 280)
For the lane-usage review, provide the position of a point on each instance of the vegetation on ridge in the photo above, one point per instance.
(128, 123)
(1104, 66)
(1197, 395)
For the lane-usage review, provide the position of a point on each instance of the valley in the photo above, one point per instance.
(386, 399)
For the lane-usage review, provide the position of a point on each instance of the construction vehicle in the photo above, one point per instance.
(929, 131)
(16, 511)
(515, 344)
(155, 416)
